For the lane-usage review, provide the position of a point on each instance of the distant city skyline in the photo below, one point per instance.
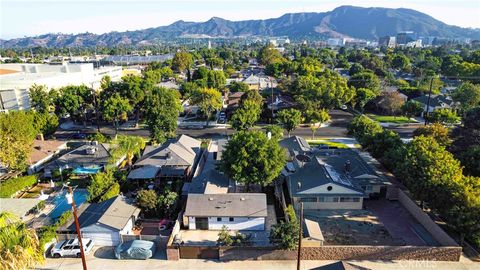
(21, 18)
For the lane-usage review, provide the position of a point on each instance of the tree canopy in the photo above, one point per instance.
(251, 158)
(163, 108)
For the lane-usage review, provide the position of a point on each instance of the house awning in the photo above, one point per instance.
(147, 172)
(172, 172)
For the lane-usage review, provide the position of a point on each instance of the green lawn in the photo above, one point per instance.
(328, 143)
(390, 119)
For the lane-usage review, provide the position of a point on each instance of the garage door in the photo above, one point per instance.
(103, 239)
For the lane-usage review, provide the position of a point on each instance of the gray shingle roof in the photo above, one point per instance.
(435, 101)
(227, 205)
(179, 152)
(113, 213)
(79, 157)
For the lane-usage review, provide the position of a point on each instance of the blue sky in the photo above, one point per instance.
(21, 18)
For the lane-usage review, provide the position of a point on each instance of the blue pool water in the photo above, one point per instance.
(90, 170)
(61, 204)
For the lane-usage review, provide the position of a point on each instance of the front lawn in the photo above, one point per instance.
(327, 143)
(391, 119)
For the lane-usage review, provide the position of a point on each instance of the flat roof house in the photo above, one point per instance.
(103, 222)
(328, 178)
(175, 158)
(89, 158)
(236, 211)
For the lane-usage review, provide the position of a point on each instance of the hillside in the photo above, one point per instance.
(344, 21)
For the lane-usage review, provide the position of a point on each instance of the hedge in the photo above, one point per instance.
(13, 185)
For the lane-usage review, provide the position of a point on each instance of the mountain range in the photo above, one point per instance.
(342, 22)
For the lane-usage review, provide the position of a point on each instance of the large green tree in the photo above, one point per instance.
(182, 61)
(74, 101)
(289, 119)
(365, 79)
(116, 108)
(128, 146)
(163, 108)
(103, 186)
(251, 158)
(40, 99)
(468, 95)
(208, 100)
(17, 132)
(248, 112)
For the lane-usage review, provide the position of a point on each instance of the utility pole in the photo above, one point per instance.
(428, 101)
(300, 236)
(77, 225)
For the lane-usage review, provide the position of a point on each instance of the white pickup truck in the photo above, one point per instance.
(71, 247)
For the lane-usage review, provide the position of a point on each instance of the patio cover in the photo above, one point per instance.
(147, 172)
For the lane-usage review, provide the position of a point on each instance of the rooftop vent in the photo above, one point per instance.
(91, 150)
(303, 158)
(169, 155)
(242, 199)
(210, 198)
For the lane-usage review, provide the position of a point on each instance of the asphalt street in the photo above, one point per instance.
(337, 128)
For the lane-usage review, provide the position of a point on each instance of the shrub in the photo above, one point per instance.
(13, 185)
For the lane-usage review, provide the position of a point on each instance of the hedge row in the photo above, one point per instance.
(11, 186)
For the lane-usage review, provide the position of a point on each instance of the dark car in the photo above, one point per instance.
(79, 136)
(136, 249)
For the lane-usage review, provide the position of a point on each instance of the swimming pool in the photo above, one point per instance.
(61, 204)
(89, 170)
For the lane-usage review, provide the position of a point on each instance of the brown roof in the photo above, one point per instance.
(43, 149)
(7, 71)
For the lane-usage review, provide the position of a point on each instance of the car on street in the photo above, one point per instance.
(135, 249)
(71, 247)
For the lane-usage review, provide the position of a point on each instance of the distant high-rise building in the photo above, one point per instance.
(387, 41)
(405, 37)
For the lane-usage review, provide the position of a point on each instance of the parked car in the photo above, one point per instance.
(79, 136)
(71, 247)
(136, 249)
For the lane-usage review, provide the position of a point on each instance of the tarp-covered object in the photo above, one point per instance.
(136, 249)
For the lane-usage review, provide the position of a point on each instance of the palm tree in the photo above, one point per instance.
(129, 146)
(19, 245)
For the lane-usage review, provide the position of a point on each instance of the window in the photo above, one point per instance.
(369, 188)
(308, 199)
(348, 199)
(231, 219)
(329, 188)
(321, 199)
(356, 199)
(335, 199)
(219, 219)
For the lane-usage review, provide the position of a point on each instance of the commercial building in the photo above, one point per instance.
(387, 41)
(16, 79)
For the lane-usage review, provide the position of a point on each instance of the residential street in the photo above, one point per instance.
(337, 128)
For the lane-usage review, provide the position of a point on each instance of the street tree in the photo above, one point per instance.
(208, 100)
(316, 119)
(116, 108)
(289, 119)
(251, 158)
(276, 132)
(74, 101)
(249, 111)
(392, 102)
(363, 96)
(163, 108)
(365, 79)
(468, 95)
(412, 108)
(445, 116)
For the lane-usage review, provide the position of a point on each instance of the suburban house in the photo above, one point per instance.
(103, 222)
(436, 102)
(42, 152)
(328, 178)
(277, 102)
(236, 211)
(256, 82)
(88, 158)
(175, 158)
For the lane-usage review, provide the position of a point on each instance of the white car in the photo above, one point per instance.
(71, 247)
